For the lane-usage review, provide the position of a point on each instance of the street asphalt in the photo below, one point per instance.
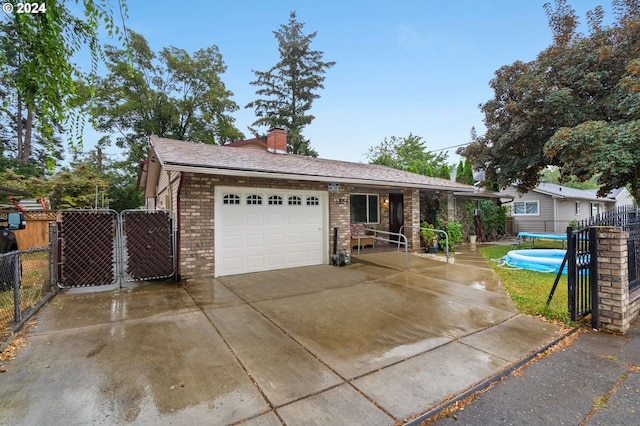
(591, 378)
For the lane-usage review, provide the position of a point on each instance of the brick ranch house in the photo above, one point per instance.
(250, 206)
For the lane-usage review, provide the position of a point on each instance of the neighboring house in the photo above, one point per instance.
(551, 207)
(242, 210)
(621, 196)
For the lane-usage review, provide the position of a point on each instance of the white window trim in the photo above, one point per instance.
(537, 202)
(367, 194)
(577, 208)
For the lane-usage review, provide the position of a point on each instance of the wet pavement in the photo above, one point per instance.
(364, 344)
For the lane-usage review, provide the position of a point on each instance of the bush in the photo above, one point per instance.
(454, 230)
(426, 235)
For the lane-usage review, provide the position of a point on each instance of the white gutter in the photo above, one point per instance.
(279, 175)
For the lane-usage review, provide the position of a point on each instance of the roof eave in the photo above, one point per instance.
(295, 176)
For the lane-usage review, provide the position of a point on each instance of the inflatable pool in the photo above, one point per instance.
(542, 260)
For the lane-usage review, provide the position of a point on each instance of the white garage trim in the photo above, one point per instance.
(262, 229)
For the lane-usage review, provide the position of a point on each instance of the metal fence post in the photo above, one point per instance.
(571, 272)
(593, 276)
(15, 272)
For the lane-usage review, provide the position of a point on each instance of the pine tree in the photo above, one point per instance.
(289, 88)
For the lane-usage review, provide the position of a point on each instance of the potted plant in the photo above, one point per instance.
(428, 237)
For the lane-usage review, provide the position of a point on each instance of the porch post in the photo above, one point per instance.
(412, 217)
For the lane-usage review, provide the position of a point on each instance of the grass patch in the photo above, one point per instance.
(530, 289)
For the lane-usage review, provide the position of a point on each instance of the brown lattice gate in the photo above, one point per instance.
(102, 247)
(147, 239)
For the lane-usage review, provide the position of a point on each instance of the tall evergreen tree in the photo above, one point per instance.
(459, 172)
(288, 89)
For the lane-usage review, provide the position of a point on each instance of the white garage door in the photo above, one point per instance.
(258, 229)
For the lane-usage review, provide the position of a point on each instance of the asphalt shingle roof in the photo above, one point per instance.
(556, 190)
(215, 159)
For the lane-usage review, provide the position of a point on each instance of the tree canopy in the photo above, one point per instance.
(288, 89)
(576, 106)
(36, 58)
(170, 94)
(409, 154)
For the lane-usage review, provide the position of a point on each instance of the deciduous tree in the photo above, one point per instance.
(409, 154)
(36, 60)
(170, 94)
(576, 106)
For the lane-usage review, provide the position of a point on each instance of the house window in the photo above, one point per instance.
(526, 208)
(275, 200)
(365, 208)
(254, 199)
(577, 208)
(231, 199)
(295, 201)
(313, 201)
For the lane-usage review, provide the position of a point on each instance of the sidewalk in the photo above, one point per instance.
(593, 378)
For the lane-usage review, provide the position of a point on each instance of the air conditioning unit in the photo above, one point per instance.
(476, 212)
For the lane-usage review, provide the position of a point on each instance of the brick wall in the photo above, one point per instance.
(339, 217)
(616, 306)
(196, 250)
(412, 217)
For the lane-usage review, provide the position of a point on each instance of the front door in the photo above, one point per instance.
(396, 213)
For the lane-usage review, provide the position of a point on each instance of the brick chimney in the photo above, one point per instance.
(277, 141)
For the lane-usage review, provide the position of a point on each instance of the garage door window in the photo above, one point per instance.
(275, 200)
(313, 201)
(365, 208)
(231, 199)
(295, 201)
(254, 199)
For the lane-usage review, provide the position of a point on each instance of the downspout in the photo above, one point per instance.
(178, 226)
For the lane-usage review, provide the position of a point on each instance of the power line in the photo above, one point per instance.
(449, 147)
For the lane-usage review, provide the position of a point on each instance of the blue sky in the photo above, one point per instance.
(419, 67)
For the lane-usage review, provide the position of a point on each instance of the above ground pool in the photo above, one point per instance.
(542, 260)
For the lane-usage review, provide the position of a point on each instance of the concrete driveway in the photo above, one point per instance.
(364, 344)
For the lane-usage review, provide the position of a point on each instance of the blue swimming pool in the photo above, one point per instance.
(542, 260)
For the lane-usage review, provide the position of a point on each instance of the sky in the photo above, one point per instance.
(402, 67)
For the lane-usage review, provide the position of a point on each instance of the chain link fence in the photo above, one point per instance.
(25, 283)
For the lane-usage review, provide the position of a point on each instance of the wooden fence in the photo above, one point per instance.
(36, 234)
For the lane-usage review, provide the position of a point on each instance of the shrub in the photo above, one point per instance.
(426, 235)
(454, 230)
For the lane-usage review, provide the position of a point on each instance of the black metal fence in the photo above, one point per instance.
(627, 218)
(25, 284)
(582, 274)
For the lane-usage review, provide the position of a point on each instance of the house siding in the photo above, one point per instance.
(624, 199)
(543, 222)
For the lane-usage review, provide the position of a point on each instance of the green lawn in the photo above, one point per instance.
(530, 289)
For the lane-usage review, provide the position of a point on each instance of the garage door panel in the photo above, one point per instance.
(254, 219)
(260, 237)
(254, 241)
(230, 242)
(276, 219)
(295, 238)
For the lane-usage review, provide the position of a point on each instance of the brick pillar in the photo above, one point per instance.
(339, 216)
(613, 279)
(412, 217)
